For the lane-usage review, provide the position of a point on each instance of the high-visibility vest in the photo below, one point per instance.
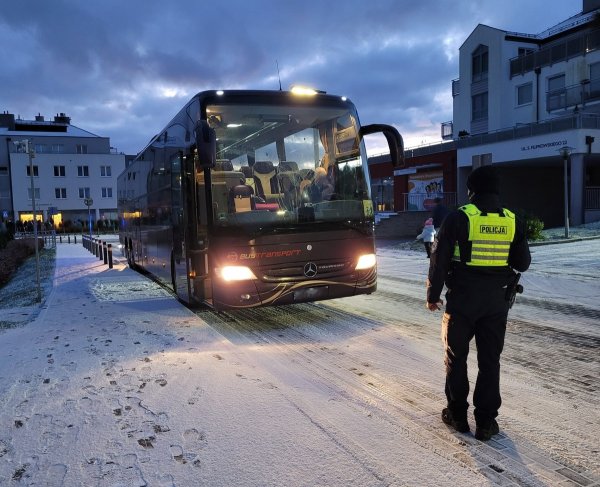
(490, 235)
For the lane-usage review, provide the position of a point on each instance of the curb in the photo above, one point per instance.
(563, 240)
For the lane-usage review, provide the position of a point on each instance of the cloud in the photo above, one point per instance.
(122, 69)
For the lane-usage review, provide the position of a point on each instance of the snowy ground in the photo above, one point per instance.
(114, 383)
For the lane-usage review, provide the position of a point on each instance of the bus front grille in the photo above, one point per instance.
(307, 270)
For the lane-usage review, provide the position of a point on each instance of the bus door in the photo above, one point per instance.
(196, 218)
(179, 271)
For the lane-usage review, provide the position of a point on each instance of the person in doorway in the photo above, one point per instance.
(479, 247)
(428, 236)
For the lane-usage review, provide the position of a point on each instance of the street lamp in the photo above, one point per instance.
(25, 144)
(565, 152)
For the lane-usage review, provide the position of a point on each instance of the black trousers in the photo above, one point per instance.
(474, 310)
(428, 248)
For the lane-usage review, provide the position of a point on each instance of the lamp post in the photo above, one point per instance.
(565, 152)
(31, 154)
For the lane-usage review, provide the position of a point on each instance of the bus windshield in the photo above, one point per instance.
(284, 166)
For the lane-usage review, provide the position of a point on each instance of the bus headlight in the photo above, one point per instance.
(235, 273)
(366, 261)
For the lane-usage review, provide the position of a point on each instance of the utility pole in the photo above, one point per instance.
(28, 146)
(565, 152)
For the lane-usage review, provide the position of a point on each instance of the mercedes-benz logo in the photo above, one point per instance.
(310, 269)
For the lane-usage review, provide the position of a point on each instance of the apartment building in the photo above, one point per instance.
(530, 104)
(73, 172)
(527, 103)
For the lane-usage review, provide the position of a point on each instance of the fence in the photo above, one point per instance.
(592, 198)
(426, 201)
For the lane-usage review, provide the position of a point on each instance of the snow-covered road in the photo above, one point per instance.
(115, 383)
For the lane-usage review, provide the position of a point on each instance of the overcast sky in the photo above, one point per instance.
(122, 69)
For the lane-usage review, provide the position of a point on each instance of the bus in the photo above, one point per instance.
(255, 198)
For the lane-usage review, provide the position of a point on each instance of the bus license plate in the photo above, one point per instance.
(311, 293)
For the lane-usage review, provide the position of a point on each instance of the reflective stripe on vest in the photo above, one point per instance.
(490, 236)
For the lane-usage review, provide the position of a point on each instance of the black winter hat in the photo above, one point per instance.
(484, 179)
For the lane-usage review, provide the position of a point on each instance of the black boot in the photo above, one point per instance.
(485, 431)
(457, 421)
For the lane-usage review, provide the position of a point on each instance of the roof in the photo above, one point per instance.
(71, 131)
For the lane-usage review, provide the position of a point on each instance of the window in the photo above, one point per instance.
(35, 171)
(107, 192)
(40, 148)
(60, 193)
(524, 94)
(83, 171)
(81, 149)
(479, 107)
(524, 51)
(3, 170)
(57, 148)
(84, 192)
(59, 171)
(594, 85)
(36, 192)
(556, 82)
(479, 64)
(557, 95)
(105, 171)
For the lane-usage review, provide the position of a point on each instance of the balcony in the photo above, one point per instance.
(568, 48)
(555, 125)
(573, 96)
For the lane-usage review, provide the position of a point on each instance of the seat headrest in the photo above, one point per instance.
(223, 165)
(288, 166)
(246, 171)
(242, 190)
(263, 167)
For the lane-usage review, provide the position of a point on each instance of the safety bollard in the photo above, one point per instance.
(105, 252)
(68, 238)
(100, 253)
(95, 247)
(110, 262)
(60, 239)
(75, 239)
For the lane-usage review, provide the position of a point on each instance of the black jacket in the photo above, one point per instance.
(455, 228)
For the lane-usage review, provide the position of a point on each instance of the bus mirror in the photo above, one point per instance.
(394, 140)
(206, 143)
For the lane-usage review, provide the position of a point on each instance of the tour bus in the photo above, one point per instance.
(254, 198)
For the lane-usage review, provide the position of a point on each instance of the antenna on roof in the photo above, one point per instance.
(278, 75)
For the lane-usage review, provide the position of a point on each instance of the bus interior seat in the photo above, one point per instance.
(222, 182)
(223, 165)
(248, 174)
(265, 178)
(288, 166)
(241, 198)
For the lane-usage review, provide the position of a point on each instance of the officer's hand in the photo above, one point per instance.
(435, 306)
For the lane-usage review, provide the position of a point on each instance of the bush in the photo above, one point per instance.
(534, 228)
(14, 254)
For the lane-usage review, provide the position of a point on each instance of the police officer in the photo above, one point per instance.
(479, 247)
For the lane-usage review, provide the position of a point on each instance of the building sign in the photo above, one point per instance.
(556, 144)
(423, 188)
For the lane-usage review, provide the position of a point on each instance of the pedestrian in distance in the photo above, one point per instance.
(428, 236)
(480, 247)
(439, 212)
